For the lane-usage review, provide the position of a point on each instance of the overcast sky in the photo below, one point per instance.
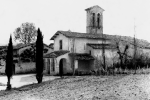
(53, 15)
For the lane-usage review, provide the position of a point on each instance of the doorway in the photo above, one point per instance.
(62, 65)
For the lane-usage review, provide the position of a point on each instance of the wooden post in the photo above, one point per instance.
(103, 52)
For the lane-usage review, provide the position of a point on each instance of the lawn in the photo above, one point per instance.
(120, 87)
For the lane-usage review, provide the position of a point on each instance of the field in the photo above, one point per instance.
(119, 87)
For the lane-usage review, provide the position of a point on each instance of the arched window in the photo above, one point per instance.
(93, 20)
(98, 20)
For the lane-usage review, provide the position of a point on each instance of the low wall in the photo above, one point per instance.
(25, 67)
(21, 68)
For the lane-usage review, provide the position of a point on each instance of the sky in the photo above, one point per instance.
(119, 17)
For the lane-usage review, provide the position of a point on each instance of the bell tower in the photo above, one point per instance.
(94, 23)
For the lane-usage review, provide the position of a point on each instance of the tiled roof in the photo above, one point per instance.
(113, 38)
(82, 56)
(22, 45)
(55, 54)
(79, 35)
(94, 7)
(100, 46)
(25, 45)
(51, 45)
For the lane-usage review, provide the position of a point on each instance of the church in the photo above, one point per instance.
(84, 51)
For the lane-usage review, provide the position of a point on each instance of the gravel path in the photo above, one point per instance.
(132, 87)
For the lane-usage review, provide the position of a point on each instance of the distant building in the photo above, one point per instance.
(21, 66)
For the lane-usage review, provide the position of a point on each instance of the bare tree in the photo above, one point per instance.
(122, 53)
(26, 33)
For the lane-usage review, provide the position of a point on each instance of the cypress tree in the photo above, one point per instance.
(9, 63)
(39, 56)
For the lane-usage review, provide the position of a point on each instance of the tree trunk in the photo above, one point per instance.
(39, 78)
(8, 84)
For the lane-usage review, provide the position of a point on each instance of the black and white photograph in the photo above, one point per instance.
(74, 49)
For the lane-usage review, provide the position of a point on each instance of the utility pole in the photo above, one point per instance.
(73, 57)
(103, 51)
(135, 46)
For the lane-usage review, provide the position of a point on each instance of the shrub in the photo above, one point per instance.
(28, 55)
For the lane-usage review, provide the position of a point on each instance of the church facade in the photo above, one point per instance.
(82, 50)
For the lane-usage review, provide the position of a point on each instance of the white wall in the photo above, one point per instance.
(24, 67)
(80, 44)
(65, 42)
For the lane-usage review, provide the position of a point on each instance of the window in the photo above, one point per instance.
(90, 52)
(93, 20)
(98, 20)
(60, 45)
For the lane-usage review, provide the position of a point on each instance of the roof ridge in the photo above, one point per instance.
(128, 39)
(93, 7)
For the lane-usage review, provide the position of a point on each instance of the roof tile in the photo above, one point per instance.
(56, 54)
(79, 35)
(100, 46)
(113, 38)
(82, 56)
